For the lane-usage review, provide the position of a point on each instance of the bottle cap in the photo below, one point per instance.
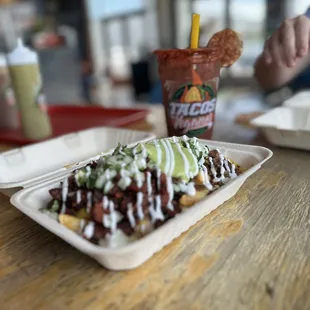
(22, 55)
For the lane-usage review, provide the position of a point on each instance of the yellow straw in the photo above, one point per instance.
(195, 30)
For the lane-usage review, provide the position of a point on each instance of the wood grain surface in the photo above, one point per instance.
(253, 252)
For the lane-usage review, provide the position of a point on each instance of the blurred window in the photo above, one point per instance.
(212, 16)
(136, 36)
(248, 18)
(114, 28)
(294, 8)
(110, 8)
(123, 25)
(244, 16)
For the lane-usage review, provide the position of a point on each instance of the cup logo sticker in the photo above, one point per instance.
(192, 107)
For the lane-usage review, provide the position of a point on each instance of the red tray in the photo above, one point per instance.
(70, 118)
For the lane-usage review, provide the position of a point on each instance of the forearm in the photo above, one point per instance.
(271, 76)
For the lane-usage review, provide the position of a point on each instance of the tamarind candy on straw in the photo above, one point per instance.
(229, 46)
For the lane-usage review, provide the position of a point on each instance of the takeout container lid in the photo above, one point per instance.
(286, 126)
(30, 200)
(300, 100)
(36, 163)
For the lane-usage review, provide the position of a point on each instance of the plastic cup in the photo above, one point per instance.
(190, 81)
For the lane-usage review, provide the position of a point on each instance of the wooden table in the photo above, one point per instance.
(253, 252)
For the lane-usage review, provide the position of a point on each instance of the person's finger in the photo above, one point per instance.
(276, 50)
(288, 42)
(302, 32)
(267, 54)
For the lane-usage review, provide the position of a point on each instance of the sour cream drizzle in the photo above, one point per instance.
(150, 196)
(232, 171)
(78, 196)
(158, 153)
(113, 216)
(185, 160)
(222, 169)
(105, 202)
(89, 230)
(213, 171)
(143, 150)
(89, 201)
(149, 183)
(185, 139)
(172, 159)
(64, 194)
(170, 193)
(130, 215)
(138, 175)
(207, 182)
(158, 210)
(158, 174)
(139, 205)
(168, 156)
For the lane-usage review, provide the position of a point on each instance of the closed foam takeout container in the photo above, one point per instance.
(286, 126)
(300, 100)
(36, 163)
(30, 200)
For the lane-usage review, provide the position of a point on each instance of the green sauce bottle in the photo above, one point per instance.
(28, 88)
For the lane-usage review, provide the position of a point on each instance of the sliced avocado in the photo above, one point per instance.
(179, 168)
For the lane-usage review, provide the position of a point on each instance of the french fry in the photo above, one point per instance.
(232, 162)
(199, 179)
(71, 222)
(188, 201)
(237, 167)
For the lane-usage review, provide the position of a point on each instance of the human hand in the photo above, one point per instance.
(289, 42)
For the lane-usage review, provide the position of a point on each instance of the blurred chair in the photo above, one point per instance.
(140, 78)
(156, 94)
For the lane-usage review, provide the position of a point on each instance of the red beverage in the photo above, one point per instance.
(190, 80)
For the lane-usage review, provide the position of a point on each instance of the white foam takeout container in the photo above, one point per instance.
(36, 163)
(300, 100)
(284, 126)
(31, 199)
